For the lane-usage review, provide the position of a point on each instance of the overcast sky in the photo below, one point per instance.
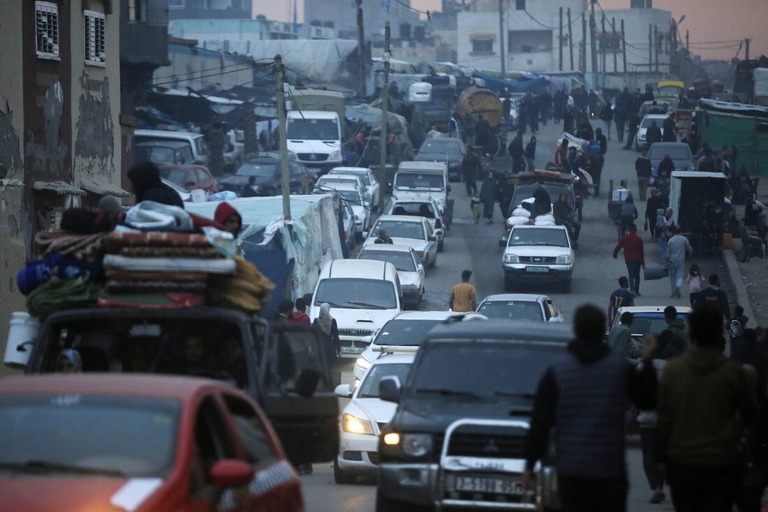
(716, 27)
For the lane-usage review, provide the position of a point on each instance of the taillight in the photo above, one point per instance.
(438, 224)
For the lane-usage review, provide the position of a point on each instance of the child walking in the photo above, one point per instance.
(477, 207)
(695, 282)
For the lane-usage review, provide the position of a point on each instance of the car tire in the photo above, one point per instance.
(440, 245)
(340, 477)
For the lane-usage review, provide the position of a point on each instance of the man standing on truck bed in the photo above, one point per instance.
(584, 397)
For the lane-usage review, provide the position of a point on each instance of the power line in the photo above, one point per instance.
(428, 13)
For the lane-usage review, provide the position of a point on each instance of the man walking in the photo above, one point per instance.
(620, 337)
(583, 396)
(470, 170)
(517, 152)
(463, 296)
(634, 257)
(678, 247)
(652, 207)
(706, 406)
(643, 170)
(713, 295)
(621, 297)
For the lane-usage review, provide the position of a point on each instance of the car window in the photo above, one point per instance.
(312, 129)
(403, 261)
(404, 333)
(516, 367)
(400, 229)
(297, 350)
(419, 181)
(651, 323)
(253, 435)
(259, 170)
(135, 437)
(419, 209)
(369, 387)
(356, 293)
(512, 309)
(175, 175)
(211, 444)
(201, 146)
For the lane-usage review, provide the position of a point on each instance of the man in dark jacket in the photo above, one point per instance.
(517, 152)
(147, 186)
(669, 133)
(583, 396)
(643, 169)
(713, 295)
(470, 170)
(706, 406)
(652, 134)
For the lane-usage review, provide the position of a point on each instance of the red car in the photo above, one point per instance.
(189, 177)
(138, 443)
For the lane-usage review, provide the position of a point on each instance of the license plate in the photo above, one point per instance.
(351, 350)
(537, 269)
(490, 485)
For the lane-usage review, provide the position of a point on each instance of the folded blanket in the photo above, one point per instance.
(211, 266)
(117, 239)
(57, 294)
(72, 244)
(139, 286)
(150, 300)
(127, 275)
(184, 252)
(153, 216)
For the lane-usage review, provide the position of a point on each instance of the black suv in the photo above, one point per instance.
(457, 438)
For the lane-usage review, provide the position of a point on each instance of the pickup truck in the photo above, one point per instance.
(456, 440)
(284, 368)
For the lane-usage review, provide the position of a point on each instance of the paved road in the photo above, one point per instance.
(476, 247)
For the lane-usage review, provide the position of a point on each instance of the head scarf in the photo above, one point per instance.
(73, 356)
(324, 318)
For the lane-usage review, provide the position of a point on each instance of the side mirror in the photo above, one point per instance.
(389, 389)
(420, 268)
(343, 391)
(431, 238)
(502, 242)
(231, 473)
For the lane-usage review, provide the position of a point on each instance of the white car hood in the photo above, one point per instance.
(408, 278)
(421, 195)
(375, 409)
(362, 318)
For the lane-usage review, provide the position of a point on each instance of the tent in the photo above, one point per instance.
(527, 82)
(290, 254)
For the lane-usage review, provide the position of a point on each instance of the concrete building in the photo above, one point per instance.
(342, 15)
(209, 9)
(60, 139)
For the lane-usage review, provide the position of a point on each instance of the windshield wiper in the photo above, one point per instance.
(449, 392)
(42, 466)
(366, 304)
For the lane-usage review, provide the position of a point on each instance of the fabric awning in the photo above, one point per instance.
(103, 189)
(58, 187)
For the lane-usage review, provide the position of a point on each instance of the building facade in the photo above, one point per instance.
(60, 141)
(342, 15)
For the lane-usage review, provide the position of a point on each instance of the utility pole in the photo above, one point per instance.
(570, 37)
(650, 48)
(593, 45)
(613, 45)
(583, 57)
(501, 38)
(285, 179)
(746, 48)
(384, 115)
(687, 42)
(623, 46)
(656, 45)
(560, 46)
(360, 46)
(602, 51)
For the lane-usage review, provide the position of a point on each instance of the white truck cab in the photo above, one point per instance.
(422, 180)
(314, 138)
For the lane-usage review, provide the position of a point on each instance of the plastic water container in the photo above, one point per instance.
(619, 194)
(23, 328)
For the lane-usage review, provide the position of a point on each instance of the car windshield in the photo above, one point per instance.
(512, 309)
(312, 129)
(651, 323)
(403, 261)
(646, 122)
(362, 175)
(439, 146)
(400, 229)
(539, 236)
(356, 293)
(163, 155)
(258, 170)
(88, 434)
(352, 197)
(516, 368)
(413, 181)
(404, 333)
(675, 152)
(369, 388)
(417, 209)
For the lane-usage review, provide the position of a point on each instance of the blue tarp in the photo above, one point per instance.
(527, 82)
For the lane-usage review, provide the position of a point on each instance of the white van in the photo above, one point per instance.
(314, 138)
(195, 140)
(363, 295)
(422, 180)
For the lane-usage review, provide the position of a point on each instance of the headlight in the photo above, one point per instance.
(417, 445)
(564, 259)
(336, 155)
(355, 425)
(291, 155)
(362, 363)
(511, 258)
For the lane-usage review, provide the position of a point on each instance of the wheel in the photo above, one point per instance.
(440, 245)
(339, 476)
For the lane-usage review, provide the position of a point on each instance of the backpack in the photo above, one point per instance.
(735, 329)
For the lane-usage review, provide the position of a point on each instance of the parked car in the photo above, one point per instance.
(640, 143)
(140, 443)
(267, 173)
(333, 181)
(163, 152)
(189, 177)
(350, 225)
(363, 417)
(450, 150)
(457, 438)
(406, 331)
(426, 208)
(520, 306)
(538, 255)
(369, 181)
(195, 141)
(350, 194)
(679, 152)
(234, 150)
(649, 319)
(406, 230)
(409, 269)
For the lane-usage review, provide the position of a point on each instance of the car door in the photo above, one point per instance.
(420, 270)
(275, 485)
(431, 241)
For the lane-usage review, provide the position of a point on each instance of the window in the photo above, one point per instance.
(95, 44)
(136, 10)
(520, 5)
(482, 46)
(47, 30)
